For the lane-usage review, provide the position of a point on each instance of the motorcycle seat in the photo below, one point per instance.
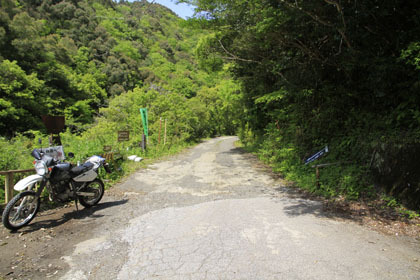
(81, 168)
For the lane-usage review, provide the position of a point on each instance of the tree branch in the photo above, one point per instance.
(325, 22)
(234, 57)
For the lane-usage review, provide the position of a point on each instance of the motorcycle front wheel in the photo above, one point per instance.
(96, 187)
(21, 210)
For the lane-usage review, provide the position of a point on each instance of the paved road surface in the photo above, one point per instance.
(212, 214)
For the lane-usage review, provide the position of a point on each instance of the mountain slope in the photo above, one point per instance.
(70, 57)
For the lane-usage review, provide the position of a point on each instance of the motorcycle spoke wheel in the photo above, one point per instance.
(97, 188)
(21, 210)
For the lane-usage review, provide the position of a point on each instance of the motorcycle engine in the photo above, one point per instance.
(61, 191)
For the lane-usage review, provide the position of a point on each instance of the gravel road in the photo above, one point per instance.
(213, 213)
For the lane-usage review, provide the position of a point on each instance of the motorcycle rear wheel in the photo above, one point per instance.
(21, 210)
(96, 187)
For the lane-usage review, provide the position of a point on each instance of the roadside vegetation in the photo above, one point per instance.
(289, 77)
(342, 74)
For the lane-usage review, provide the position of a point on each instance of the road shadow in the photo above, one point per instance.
(373, 214)
(251, 158)
(304, 208)
(53, 219)
(298, 202)
(302, 202)
(236, 151)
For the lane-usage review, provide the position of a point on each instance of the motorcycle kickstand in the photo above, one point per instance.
(76, 198)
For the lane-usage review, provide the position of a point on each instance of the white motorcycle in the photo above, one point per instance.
(63, 182)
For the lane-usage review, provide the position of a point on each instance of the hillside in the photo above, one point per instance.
(97, 63)
(71, 57)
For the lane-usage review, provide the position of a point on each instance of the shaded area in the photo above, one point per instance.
(374, 214)
(236, 151)
(396, 169)
(43, 221)
(304, 207)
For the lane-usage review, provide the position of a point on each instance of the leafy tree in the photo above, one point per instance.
(21, 98)
(27, 39)
(323, 72)
(86, 53)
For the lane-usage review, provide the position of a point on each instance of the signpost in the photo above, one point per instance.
(143, 142)
(54, 125)
(107, 148)
(145, 121)
(143, 113)
(123, 135)
(317, 155)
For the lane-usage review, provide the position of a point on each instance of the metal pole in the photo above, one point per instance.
(164, 139)
(160, 129)
(317, 177)
(143, 142)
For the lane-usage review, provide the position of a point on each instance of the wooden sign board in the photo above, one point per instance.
(107, 148)
(54, 124)
(123, 135)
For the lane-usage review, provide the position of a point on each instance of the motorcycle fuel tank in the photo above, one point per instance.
(60, 172)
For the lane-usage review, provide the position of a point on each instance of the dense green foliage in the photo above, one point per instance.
(69, 57)
(97, 63)
(326, 72)
(307, 74)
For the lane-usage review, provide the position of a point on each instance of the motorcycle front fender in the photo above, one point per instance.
(28, 182)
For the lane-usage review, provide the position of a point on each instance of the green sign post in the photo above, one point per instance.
(143, 113)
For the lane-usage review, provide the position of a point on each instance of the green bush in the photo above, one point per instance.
(341, 178)
(186, 123)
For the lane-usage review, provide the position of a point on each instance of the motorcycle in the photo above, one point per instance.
(63, 182)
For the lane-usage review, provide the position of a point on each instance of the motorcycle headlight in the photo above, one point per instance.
(41, 168)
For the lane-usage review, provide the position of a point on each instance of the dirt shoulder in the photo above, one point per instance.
(374, 214)
(34, 251)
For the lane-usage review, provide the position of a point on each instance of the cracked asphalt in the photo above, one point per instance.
(213, 213)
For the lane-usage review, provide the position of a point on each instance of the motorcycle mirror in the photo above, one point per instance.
(70, 155)
(36, 155)
(39, 141)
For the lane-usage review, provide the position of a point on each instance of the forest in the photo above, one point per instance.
(341, 74)
(97, 63)
(71, 58)
(289, 77)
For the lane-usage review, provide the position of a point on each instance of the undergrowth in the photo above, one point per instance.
(18, 155)
(341, 180)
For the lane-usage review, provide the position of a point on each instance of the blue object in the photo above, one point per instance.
(317, 155)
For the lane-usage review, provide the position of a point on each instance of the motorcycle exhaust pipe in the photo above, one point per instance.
(86, 194)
